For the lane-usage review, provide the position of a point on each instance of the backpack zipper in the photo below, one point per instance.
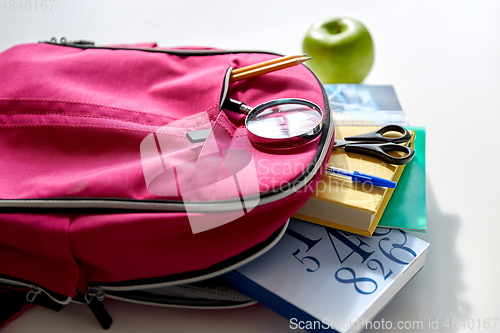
(94, 298)
(34, 290)
(167, 305)
(97, 293)
(64, 41)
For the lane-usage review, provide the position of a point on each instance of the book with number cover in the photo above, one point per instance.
(322, 278)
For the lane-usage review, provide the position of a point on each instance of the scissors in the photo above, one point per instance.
(377, 145)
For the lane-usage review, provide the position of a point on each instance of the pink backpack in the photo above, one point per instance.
(104, 194)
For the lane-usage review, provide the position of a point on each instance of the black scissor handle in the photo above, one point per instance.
(382, 150)
(378, 135)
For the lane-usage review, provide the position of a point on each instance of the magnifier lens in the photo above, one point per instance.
(284, 121)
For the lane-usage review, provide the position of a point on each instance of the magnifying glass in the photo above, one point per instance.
(281, 123)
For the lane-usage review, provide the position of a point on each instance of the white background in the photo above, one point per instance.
(443, 58)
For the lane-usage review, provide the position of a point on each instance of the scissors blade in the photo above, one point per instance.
(339, 144)
(343, 143)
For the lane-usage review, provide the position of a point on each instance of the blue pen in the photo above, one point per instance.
(361, 177)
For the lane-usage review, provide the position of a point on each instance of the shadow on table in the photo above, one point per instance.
(431, 301)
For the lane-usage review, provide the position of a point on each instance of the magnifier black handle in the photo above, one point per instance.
(236, 106)
(382, 150)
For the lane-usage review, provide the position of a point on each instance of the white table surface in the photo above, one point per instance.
(443, 58)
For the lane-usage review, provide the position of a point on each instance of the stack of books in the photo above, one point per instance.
(347, 251)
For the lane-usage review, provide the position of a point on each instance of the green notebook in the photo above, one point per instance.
(407, 208)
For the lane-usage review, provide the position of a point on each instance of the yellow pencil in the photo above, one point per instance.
(259, 70)
(266, 63)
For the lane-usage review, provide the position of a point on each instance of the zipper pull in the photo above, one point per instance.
(33, 293)
(38, 297)
(94, 298)
(64, 41)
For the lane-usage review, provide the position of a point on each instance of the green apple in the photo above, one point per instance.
(341, 50)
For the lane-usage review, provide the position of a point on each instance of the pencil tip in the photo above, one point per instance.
(304, 59)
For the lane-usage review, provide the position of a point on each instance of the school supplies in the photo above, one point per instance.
(351, 206)
(368, 105)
